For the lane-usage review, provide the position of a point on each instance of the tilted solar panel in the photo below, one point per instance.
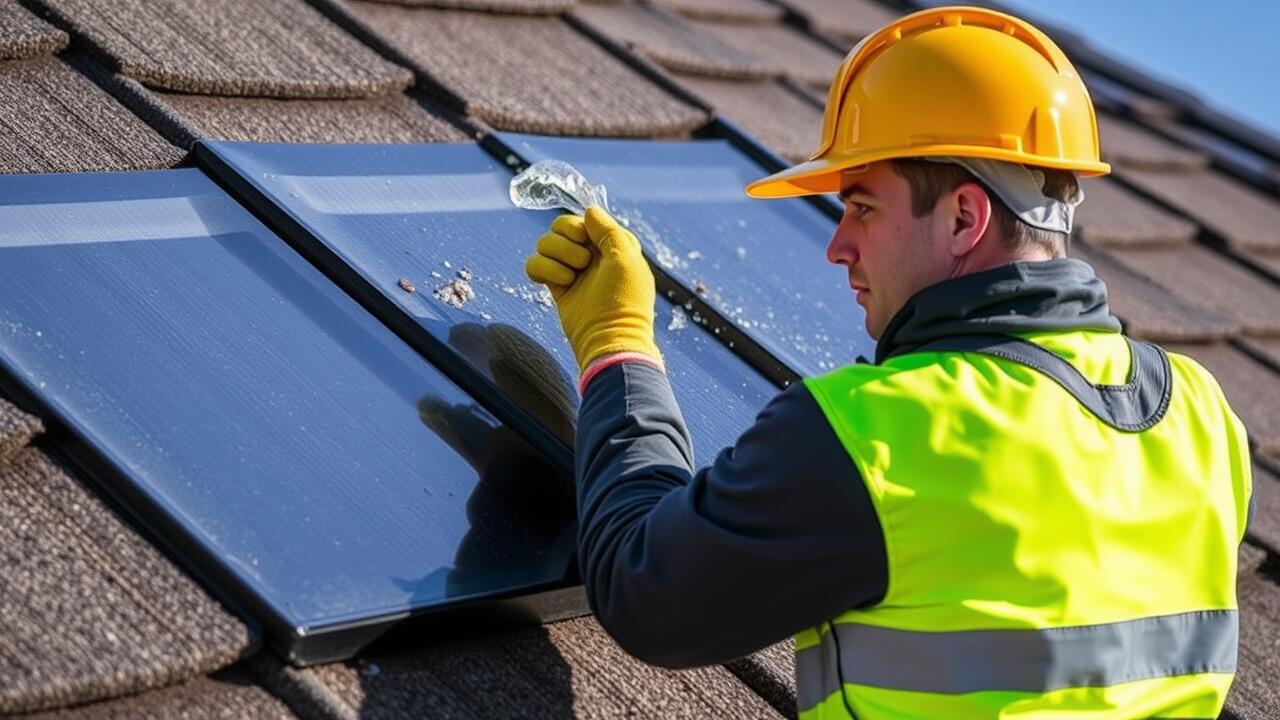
(303, 458)
(427, 235)
(760, 264)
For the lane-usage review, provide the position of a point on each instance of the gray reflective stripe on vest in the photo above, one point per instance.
(1016, 660)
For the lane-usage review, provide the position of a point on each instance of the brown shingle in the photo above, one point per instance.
(727, 10)
(1149, 310)
(228, 695)
(1268, 348)
(1265, 528)
(844, 20)
(23, 35)
(519, 7)
(781, 48)
(1241, 215)
(568, 669)
(1131, 145)
(792, 127)
(91, 610)
(1206, 278)
(1250, 558)
(282, 48)
(530, 74)
(669, 41)
(1252, 390)
(17, 428)
(1255, 695)
(771, 674)
(53, 119)
(387, 119)
(1114, 215)
(1269, 261)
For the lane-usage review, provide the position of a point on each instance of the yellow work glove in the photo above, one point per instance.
(602, 286)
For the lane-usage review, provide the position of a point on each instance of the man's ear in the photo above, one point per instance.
(969, 218)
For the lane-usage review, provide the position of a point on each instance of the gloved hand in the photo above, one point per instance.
(603, 288)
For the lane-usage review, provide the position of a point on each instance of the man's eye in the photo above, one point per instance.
(858, 209)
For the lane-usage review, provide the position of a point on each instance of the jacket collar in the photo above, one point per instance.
(1060, 294)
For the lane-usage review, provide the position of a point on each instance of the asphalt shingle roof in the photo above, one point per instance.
(54, 119)
(843, 21)
(101, 624)
(393, 118)
(728, 10)
(1114, 215)
(567, 669)
(528, 74)
(1148, 309)
(1242, 216)
(282, 48)
(670, 42)
(782, 49)
(91, 610)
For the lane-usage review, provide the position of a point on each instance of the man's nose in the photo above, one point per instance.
(841, 250)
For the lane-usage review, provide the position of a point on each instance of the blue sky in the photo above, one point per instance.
(1225, 51)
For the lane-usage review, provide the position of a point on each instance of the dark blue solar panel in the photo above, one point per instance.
(298, 453)
(429, 216)
(760, 263)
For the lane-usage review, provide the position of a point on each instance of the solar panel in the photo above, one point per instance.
(760, 264)
(428, 237)
(298, 454)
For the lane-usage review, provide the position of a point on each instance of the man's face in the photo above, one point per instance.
(889, 253)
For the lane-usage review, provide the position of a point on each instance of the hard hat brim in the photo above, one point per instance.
(822, 175)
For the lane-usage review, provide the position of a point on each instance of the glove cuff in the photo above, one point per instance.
(601, 364)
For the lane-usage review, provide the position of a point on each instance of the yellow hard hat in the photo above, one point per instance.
(950, 81)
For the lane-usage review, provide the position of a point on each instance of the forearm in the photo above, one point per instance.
(690, 568)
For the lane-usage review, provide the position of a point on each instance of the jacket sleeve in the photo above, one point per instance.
(689, 568)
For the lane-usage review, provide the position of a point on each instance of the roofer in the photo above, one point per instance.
(1014, 510)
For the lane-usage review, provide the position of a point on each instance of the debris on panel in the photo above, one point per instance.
(464, 274)
(694, 255)
(679, 320)
(699, 287)
(407, 285)
(742, 253)
(665, 256)
(455, 293)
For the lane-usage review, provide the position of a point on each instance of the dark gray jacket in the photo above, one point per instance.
(690, 567)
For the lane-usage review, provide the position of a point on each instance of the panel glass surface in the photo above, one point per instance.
(761, 263)
(324, 467)
(433, 228)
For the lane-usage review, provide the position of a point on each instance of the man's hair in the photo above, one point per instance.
(930, 180)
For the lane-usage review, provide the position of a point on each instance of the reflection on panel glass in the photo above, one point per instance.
(312, 464)
(761, 263)
(433, 228)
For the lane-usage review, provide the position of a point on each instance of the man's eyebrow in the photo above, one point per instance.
(855, 189)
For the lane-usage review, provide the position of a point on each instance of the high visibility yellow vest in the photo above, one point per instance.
(1057, 545)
